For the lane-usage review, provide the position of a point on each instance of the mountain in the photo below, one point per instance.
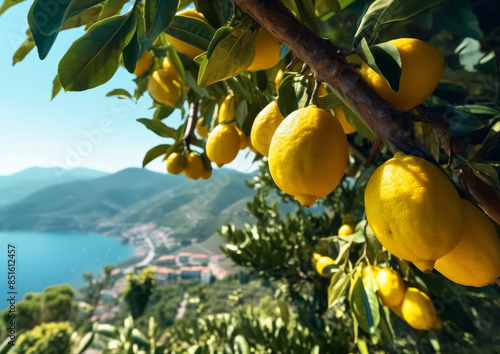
(15, 187)
(134, 197)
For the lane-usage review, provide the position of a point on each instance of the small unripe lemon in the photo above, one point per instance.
(391, 288)
(164, 87)
(194, 168)
(308, 154)
(144, 62)
(174, 165)
(267, 51)
(202, 130)
(418, 310)
(346, 229)
(223, 144)
(227, 109)
(181, 46)
(414, 210)
(322, 263)
(315, 258)
(475, 260)
(264, 126)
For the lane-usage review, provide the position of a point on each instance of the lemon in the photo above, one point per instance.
(315, 258)
(194, 166)
(340, 115)
(164, 87)
(144, 62)
(475, 261)
(202, 130)
(227, 108)
(414, 210)
(206, 174)
(267, 51)
(181, 46)
(346, 229)
(223, 144)
(264, 126)
(174, 165)
(368, 275)
(418, 310)
(421, 69)
(169, 67)
(308, 154)
(244, 140)
(391, 288)
(322, 263)
(278, 79)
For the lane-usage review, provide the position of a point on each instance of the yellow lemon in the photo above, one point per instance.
(164, 87)
(340, 115)
(322, 263)
(169, 67)
(194, 166)
(391, 288)
(368, 275)
(227, 109)
(278, 79)
(414, 210)
(174, 165)
(144, 62)
(308, 154)
(315, 258)
(346, 229)
(418, 310)
(202, 130)
(206, 174)
(264, 126)
(244, 140)
(181, 46)
(223, 144)
(267, 51)
(475, 261)
(421, 69)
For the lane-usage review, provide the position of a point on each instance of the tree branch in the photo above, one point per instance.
(390, 126)
(191, 123)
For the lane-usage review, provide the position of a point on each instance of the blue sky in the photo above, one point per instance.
(76, 129)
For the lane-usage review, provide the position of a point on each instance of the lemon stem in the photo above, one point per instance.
(376, 145)
(191, 124)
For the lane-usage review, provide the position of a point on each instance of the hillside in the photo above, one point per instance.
(15, 187)
(134, 197)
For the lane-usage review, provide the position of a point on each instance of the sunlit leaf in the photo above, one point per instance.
(158, 15)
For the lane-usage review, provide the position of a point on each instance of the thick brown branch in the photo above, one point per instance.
(389, 125)
(191, 123)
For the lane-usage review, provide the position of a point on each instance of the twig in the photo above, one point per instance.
(376, 145)
(191, 124)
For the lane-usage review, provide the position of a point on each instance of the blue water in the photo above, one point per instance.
(44, 259)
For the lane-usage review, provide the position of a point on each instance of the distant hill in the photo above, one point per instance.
(15, 187)
(193, 209)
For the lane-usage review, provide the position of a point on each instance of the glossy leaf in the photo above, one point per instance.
(338, 285)
(23, 50)
(176, 61)
(292, 94)
(229, 57)
(7, 4)
(384, 11)
(192, 31)
(307, 14)
(43, 42)
(217, 12)
(111, 8)
(85, 342)
(163, 112)
(462, 122)
(157, 127)
(158, 15)
(120, 93)
(358, 123)
(191, 81)
(56, 87)
(130, 53)
(93, 58)
(365, 306)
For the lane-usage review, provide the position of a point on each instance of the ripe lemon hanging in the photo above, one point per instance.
(223, 144)
(315, 257)
(227, 109)
(308, 154)
(267, 51)
(181, 46)
(475, 261)
(164, 87)
(322, 263)
(194, 168)
(414, 210)
(391, 288)
(418, 310)
(346, 229)
(244, 140)
(206, 174)
(144, 62)
(421, 69)
(169, 67)
(201, 129)
(264, 126)
(174, 165)
(340, 115)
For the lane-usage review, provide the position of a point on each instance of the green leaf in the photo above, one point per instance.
(217, 12)
(228, 57)
(292, 94)
(462, 122)
(385, 325)
(111, 8)
(191, 81)
(192, 31)
(85, 342)
(43, 42)
(159, 128)
(427, 135)
(158, 15)
(241, 345)
(23, 50)
(130, 53)
(56, 87)
(338, 285)
(384, 59)
(384, 11)
(487, 173)
(359, 124)
(93, 58)
(480, 109)
(307, 14)
(7, 4)
(120, 93)
(163, 112)
(176, 61)
(364, 304)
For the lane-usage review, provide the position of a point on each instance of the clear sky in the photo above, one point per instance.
(76, 129)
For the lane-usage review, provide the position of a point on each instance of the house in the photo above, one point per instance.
(206, 275)
(166, 274)
(194, 272)
(198, 259)
(167, 259)
(217, 258)
(183, 257)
